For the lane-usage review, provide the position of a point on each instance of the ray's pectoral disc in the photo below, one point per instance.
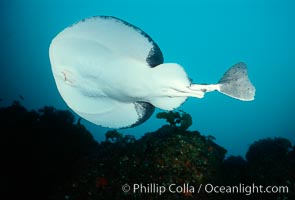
(102, 67)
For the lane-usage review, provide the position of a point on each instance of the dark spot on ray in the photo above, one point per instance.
(144, 111)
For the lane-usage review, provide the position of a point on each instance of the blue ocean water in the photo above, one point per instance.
(205, 37)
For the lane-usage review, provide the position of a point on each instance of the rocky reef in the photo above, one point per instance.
(47, 155)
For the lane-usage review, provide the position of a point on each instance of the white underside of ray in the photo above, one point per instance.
(101, 75)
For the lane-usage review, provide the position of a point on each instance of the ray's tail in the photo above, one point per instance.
(236, 83)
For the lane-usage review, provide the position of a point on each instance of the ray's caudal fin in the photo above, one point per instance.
(236, 84)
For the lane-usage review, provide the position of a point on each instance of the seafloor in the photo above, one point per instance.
(47, 155)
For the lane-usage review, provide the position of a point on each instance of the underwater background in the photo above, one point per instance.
(205, 37)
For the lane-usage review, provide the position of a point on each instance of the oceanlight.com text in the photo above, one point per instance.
(245, 189)
(154, 188)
